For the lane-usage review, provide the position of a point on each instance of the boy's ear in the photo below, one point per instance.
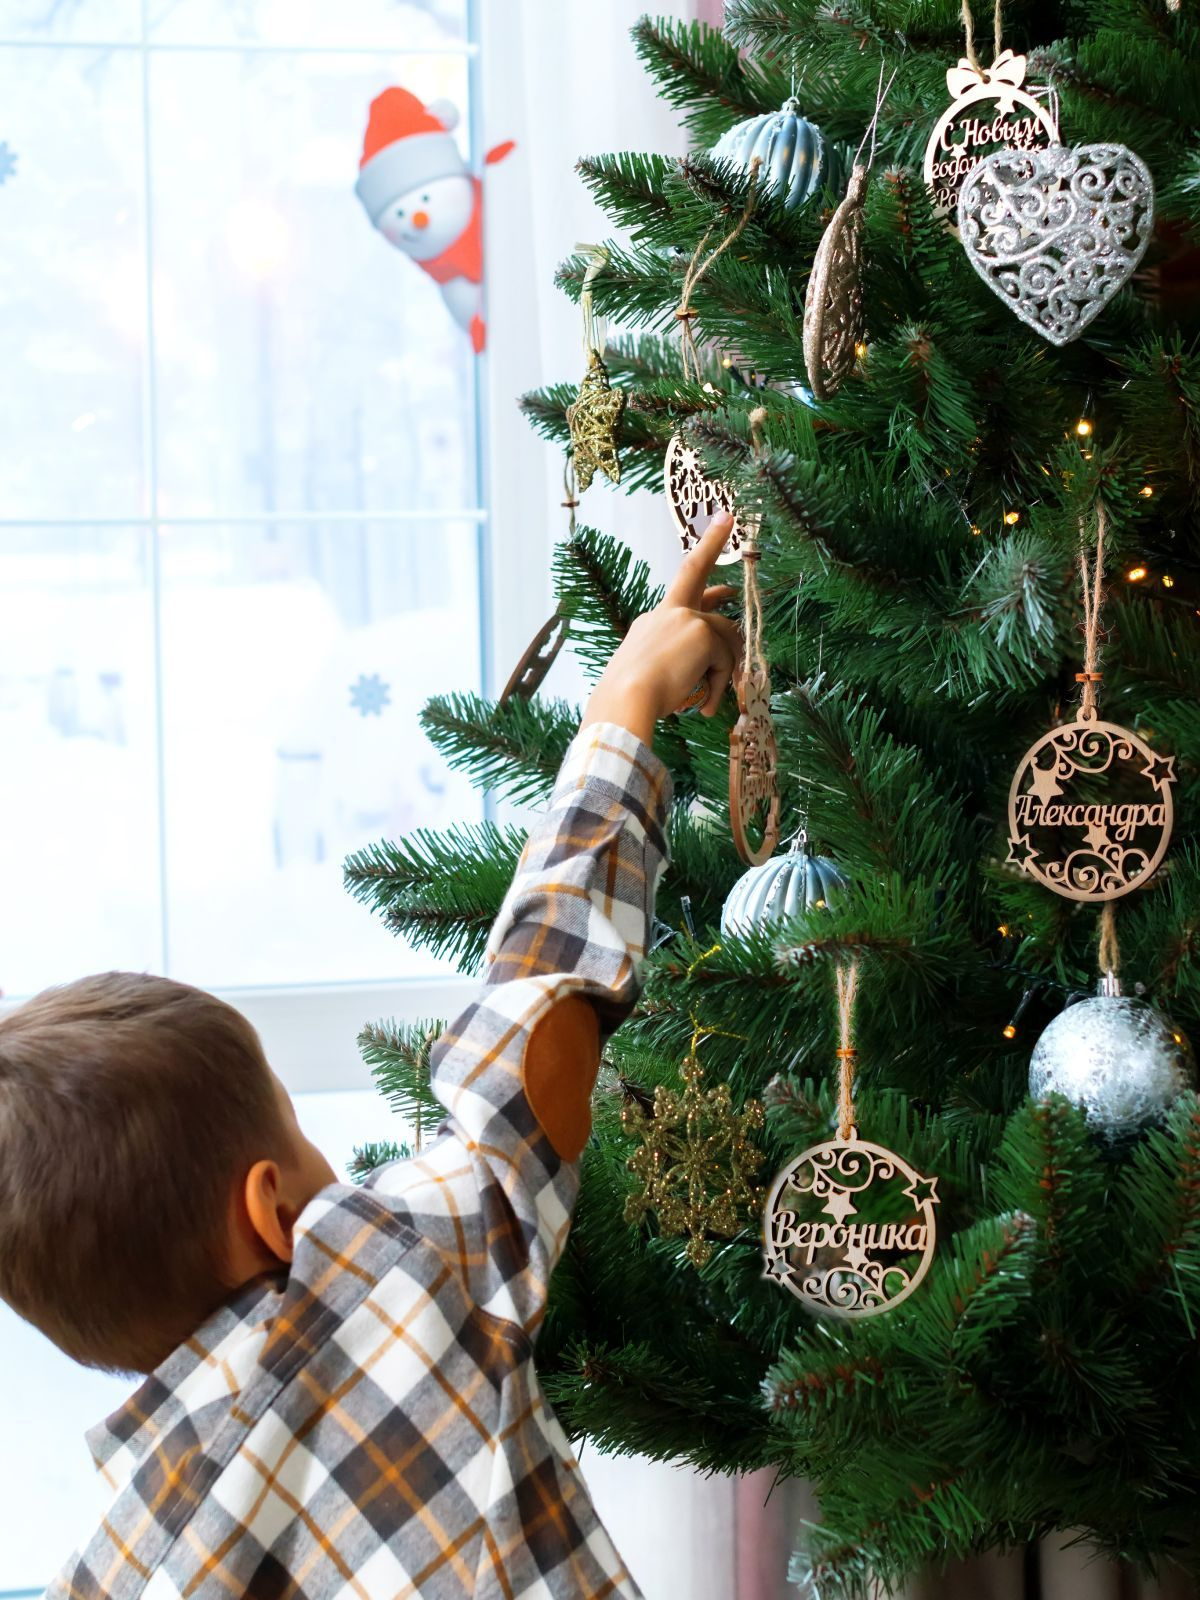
(269, 1215)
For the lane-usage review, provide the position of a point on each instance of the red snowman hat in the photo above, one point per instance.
(407, 143)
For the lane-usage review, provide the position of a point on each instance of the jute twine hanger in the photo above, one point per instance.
(595, 328)
(698, 266)
(1091, 578)
(690, 358)
(1091, 582)
(969, 32)
(847, 989)
(754, 661)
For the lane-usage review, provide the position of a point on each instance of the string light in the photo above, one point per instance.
(1010, 1028)
(1004, 930)
(726, 361)
(976, 530)
(1012, 517)
(1136, 574)
(1083, 427)
(860, 349)
(1146, 491)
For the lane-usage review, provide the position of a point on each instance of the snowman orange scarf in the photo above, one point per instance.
(464, 258)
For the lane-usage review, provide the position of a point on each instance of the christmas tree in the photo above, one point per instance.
(924, 625)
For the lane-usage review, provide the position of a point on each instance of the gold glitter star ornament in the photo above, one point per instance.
(694, 1162)
(592, 418)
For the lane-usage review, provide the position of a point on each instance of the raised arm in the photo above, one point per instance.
(516, 1070)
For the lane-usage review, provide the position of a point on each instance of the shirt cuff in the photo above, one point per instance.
(608, 752)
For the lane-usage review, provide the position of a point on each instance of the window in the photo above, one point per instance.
(240, 519)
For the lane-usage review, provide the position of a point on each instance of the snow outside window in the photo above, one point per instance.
(240, 518)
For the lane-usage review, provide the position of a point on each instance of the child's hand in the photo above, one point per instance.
(667, 650)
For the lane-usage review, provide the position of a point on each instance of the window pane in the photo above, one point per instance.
(343, 1120)
(303, 363)
(50, 1492)
(107, 20)
(72, 282)
(78, 792)
(296, 661)
(371, 24)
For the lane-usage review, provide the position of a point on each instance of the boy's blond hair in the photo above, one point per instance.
(130, 1106)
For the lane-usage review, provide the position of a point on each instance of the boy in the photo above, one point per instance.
(341, 1396)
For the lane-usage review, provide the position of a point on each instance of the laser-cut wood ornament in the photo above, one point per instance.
(1090, 809)
(695, 499)
(990, 110)
(753, 772)
(536, 660)
(753, 749)
(542, 650)
(849, 1226)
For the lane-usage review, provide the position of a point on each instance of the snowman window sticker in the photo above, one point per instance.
(419, 192)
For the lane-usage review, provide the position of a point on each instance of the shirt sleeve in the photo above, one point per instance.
(515, 1070)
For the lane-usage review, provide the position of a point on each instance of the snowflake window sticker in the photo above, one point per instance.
(8, 162)
(369, 695)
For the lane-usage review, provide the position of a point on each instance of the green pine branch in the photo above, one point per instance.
(398, 1056)
(368, 1157)
(512, 750)
(442, 891)
(700, 73)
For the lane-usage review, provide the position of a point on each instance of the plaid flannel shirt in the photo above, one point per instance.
(369, 1423)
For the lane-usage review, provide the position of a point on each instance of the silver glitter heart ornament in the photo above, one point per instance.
(1056, 232)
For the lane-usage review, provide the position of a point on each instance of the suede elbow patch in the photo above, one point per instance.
(562, 1058)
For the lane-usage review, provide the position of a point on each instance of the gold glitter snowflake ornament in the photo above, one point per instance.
(694, 1160)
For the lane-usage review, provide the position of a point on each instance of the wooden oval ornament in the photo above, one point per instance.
(849, 1228)
(695, 498)
(537, 659)
(753, 772)
(1090, 810)
(833, 304)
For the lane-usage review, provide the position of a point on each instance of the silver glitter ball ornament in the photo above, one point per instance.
(779, 888)
(1118, 1058)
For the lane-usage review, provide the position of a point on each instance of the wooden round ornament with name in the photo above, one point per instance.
(1090, 811)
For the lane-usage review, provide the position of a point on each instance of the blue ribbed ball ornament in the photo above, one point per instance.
(797, 159)
(779, 888)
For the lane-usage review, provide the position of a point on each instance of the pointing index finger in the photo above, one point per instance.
(687, 586)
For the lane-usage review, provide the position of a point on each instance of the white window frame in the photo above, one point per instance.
(309, 1031)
